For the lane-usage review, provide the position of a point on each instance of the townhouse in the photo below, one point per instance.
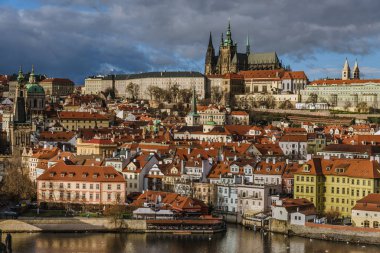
(335, 185)
(84, 185)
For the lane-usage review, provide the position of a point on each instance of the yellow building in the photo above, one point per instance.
(75, 120)
(341, 183)
(96, 146)
(309, 183)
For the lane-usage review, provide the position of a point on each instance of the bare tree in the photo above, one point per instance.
(16, 183)
(174, 92)
(362, 107)
(347, 105)
(150, 91)
(216, 94)
(267, 101)
(185, 95)
(286, 105)
(133, 90)
(313, 98)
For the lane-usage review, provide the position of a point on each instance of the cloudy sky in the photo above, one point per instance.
(77, 38)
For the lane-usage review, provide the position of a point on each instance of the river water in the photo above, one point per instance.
(236, 239)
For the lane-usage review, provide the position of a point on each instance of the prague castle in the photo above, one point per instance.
(230, 61)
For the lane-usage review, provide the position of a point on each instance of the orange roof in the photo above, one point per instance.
(355, 168)
(82, 115)
(239, 113)
(343, 82)
(63, 172)
(262, 74)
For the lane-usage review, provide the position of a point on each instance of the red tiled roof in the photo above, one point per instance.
(63, 172)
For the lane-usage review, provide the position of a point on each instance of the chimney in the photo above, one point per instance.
(274, 160)
(326, 157)
(267, 160)
(308, 157)
(188, 151)
(287, 161)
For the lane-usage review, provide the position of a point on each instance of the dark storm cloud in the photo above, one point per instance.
(76, 38)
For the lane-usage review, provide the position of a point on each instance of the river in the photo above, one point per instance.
(236, 239)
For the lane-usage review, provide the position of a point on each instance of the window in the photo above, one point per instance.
(118, 187)
(84, 186)
(91, 186)
(77, 186)
(97, 186)
(68, 185)
(109, 196)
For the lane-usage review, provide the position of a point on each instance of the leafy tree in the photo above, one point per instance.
(133, 90)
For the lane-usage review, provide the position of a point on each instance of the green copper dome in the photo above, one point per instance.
(34, 88)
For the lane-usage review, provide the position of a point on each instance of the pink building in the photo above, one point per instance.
(79, 184)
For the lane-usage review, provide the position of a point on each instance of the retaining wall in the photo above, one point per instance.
(72, 225)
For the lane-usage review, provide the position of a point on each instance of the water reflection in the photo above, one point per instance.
(236, 239)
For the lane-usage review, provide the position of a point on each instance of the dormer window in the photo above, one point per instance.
(328, 168)
(106, 175)
(71, 174)
(306, 168)
(112, 176)
(95, 175)
(63, 174)
(268, 169)
(52, 174)
(84, 175)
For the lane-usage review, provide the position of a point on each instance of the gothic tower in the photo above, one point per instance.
(227, 52)
(210, 57)
(356, 70)
(248, 46)
(19, 112)
(346, 72)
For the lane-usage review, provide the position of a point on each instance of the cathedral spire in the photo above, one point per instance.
(221, 40)
(356, 70)
(228, 34)
(210, 41)
(248, 46)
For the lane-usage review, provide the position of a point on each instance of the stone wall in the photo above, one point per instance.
(72, 225)
(337, 233)
(278, 226)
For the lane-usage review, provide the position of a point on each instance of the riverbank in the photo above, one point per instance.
(327, 232)
(106, 225)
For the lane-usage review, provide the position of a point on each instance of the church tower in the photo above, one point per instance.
(346, 72)
(193, 118)
(19, 112)
(227, 51)
(210, 57)
(356, 70)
